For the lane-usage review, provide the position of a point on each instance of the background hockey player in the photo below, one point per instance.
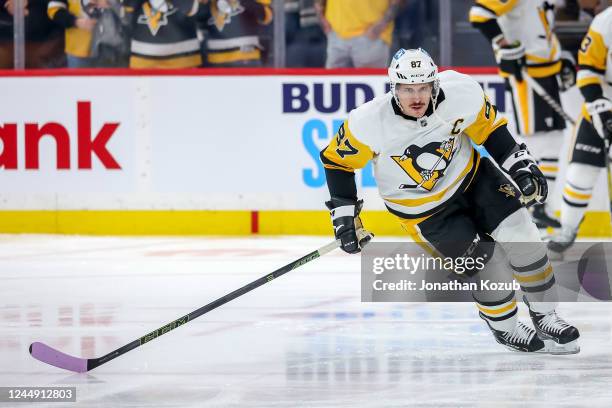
(521, 34)
(593, 130)
(444, 194)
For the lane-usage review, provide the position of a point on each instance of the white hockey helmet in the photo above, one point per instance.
(413, 66)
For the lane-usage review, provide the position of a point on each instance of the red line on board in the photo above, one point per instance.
(254, 222)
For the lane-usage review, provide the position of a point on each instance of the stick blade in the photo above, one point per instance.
(49, 355)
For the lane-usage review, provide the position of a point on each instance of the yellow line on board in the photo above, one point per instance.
(141, 222)
(127, 222)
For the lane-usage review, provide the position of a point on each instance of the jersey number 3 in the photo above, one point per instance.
(342, 141)
(585, 44)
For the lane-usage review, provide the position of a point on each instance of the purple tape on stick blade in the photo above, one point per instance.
(56, 358)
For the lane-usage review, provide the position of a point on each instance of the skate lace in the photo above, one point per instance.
(553, 323)
(521, 334)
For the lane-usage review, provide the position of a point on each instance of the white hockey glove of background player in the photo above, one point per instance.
(523, 169)
(510, 57)
(601, 117)
(347, 224)
(567, 75)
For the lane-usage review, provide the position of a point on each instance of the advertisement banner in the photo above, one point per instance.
(186, 142)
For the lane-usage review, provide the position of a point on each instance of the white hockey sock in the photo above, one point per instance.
(496, 306)
(528, 259)
(577, 193)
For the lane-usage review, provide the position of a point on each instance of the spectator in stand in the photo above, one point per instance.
(409, 30)
(234, 31)
(567, 10)
(292, 18)
(163, 33)
(110, 42)
(75, 17)
(306, 41)
(358, 32)
(593, 7)
(44, 46)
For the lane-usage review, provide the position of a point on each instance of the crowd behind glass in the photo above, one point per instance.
(235, 33)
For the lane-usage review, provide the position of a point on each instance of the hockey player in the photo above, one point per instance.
(521, 34)
(593, 130)
(444, 193)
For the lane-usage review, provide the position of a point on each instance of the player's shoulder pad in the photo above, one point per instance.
(498, 7)
(364, 121)
(602, 23)
(463, 96)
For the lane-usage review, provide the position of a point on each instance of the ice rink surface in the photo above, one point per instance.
(302, 340)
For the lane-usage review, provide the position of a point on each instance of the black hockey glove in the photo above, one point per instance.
(567, 75)
(511, 59)
(347, 224)
(525, 172)
(601, 117)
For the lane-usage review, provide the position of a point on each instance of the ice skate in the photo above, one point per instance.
(522, 338)
(542, 219)
(559, 336)
(561, 242)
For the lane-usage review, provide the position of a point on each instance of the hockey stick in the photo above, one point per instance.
(49, 355)
(609, 173)
(547, 98)
(606, 153)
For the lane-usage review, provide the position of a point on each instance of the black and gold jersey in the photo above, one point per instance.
(164, 34)
(234, 34)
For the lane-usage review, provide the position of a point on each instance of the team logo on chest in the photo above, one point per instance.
(222, 12)
(426, 165)
(155, 14)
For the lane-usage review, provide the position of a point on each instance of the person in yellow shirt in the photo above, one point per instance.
(75, 17)
(358, 31)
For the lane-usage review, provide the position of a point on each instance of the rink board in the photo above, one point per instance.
(191, 152)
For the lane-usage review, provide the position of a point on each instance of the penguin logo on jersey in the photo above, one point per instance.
(155, 14)
(222, 12)
(508, 190)
(425, 165)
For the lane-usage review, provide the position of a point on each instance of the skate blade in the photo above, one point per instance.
(551, 347)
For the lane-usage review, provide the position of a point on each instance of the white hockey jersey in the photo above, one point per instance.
(419, 165)
(530, 22)
(595, 56)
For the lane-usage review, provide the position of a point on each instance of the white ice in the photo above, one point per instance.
(304, 339)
